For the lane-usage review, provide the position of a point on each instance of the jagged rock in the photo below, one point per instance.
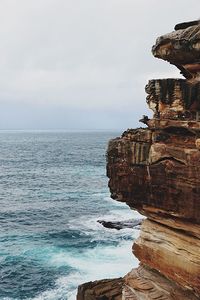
(174, 99)
(110, 289)
(144, 120)
(181, 48)
(121, 224)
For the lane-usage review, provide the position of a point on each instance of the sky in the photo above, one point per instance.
(82, 64)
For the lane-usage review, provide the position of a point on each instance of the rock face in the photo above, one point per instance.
(156, 170)
(101, 290)
(181, 48)
(147, 284)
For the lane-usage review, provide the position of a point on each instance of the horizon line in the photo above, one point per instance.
(61, 129)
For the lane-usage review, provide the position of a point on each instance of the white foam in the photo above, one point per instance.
(103, 261)
(116, 214)
(97, 263)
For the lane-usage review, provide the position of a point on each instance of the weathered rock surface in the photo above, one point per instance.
(156, 171)
(147, 284)
(160, 174)
(174, 99)
(141, 283)
(174, 254)
(110, 289)
(181, 48)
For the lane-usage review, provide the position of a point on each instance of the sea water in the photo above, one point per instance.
(53, 189)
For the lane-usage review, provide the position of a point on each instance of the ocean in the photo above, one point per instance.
(53, 189)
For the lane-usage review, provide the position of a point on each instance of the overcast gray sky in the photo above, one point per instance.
(82, 64)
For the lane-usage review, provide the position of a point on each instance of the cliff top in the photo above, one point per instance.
(181, 48)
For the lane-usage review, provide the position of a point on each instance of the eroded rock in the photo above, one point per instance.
(145, 283)
(174, 99)
(173, 253)
(110, 289)
(156, 171)
(167, 180)
(181, 48)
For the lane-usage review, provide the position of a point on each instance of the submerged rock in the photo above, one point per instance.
(121, 224)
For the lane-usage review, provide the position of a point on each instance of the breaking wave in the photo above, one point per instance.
(53, 191)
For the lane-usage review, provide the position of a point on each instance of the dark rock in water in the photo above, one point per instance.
(108, 289)
(121, 224)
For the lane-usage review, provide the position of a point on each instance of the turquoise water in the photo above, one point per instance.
(53, 189)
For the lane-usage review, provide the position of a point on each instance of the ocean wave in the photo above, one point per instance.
(54, 190)
(97, 263)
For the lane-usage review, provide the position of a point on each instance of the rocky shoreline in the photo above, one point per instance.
(156, 171)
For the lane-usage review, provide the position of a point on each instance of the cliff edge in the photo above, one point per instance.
(156, 171)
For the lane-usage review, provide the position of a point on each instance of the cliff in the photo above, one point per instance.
(156, 171)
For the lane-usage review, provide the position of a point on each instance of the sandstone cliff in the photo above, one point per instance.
(156, 170)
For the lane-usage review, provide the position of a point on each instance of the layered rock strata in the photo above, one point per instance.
(181, 48)
(102, 290)
(156, 170)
